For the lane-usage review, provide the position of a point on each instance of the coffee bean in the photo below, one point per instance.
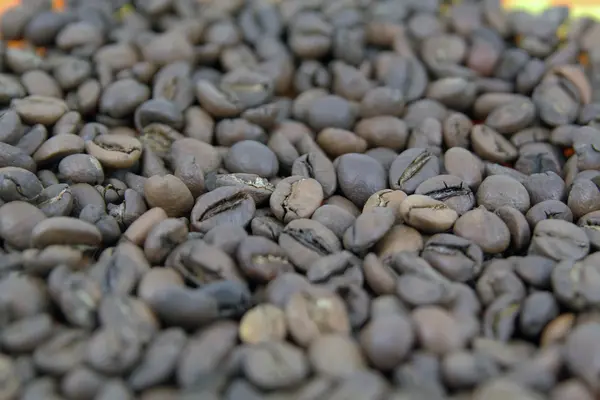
(314, 165)
(262, 259)
(497, 191)
(12, 384)
(450, 190)
(382, 349)
(559, 240)
(491, 146)
(36, 109)
(26, 334)
(367, 229)
(115, 151)
(259, 188)
(201, 263)
(383, 155)
(296, 197)
(64, 351)
(312, 312)
(223, 205)
(163, 238)
(538, 310)
(411, 168)
(386, 198)
(18, 184)
(485, 229)
(580, 350)
(17, 221)
(251, 157)
(169, 193)
(139, 230)
(359, 187)
(437, 331)
(549, 209)
(427, 214)
(457, 258)
(65, 230)
(335, 355)
(128, 314)
(517, 224)
(159, 360)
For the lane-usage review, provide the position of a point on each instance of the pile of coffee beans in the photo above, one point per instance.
(298, 200)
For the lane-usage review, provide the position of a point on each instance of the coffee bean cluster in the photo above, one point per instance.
(298, 200)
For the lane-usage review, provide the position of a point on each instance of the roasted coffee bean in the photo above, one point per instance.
(538, 310)
(491, 146)
(159, 360)
(580, 351)
(296, 197)
(549, 209)
(115, 150)
(451, 190)
(229, 205)
(457, 258)
(574, 282)
(259, 188)
(316, 166)
(129, 314)
(335, 218)
(436, 330)
(335, 355)
(18, 219)
(359, 187)
(336, 271)
(201, 263)
(261, 259)
(499, 279)
(559, 240)
(251, 157)
(485, 229)
(312, 312)
(306, 241)
(517, 224)
(368, 229)
(411, 168)
(275, 365)
(497, 191)
(169, 193)
(427, 214)
(64, 351)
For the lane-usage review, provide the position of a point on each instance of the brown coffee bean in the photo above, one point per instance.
(17, 222)
(36, 109)
(485, 229)
(263, 323)
(274, 365)
(387, 340)
(65, 230)
(296, 197)
(335, 355)
(312, 311)
(336, 142)
(11, 385)
(115, 151)
(155, 280)
(426, 214)
(386, 198)
(139, 230)
(170, 194)
(224, 205)
(437, 330)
